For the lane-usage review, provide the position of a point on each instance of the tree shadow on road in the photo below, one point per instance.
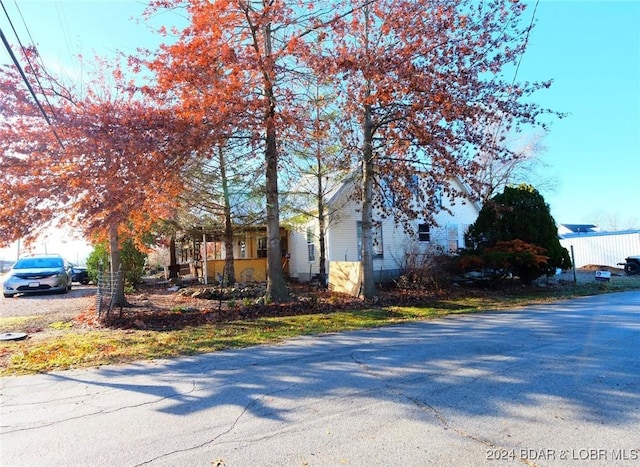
(580, 354)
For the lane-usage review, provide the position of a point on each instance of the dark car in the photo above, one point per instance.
(80, 275)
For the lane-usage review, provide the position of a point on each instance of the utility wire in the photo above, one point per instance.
(26, 81)
(526, 40)
(515, 74)
(26, 54)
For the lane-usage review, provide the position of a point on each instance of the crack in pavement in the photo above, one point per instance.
(232, 427)
(429, 409)
(103, 411)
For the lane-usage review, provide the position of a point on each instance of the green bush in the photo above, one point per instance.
(133, 261)
(515, 230)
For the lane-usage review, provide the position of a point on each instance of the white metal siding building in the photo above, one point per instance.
(602, 248)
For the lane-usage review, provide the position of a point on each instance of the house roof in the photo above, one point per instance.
(580, 228)
(216, 232)
(347, 182)
(595, 233)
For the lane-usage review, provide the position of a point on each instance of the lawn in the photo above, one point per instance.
(166, 328)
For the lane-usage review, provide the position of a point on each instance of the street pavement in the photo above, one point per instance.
(554, 384)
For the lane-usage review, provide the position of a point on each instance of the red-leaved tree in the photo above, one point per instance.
(234, 73)
(101, 163)
(420, 81)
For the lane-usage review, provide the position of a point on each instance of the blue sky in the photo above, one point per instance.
(591, 49)
(592, 52)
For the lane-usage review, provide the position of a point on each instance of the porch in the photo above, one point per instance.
(202, 253)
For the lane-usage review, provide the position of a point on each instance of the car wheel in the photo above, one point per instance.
(85, 282)
(8, 295)
(632, 268)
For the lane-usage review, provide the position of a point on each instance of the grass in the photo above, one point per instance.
(69, 344)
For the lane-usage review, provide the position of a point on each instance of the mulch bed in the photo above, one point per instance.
(162, 309)
(165, 310)
(158, 309)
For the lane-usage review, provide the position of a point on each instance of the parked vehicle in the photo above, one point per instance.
(80, 275)
(37, 274)
(631, 265)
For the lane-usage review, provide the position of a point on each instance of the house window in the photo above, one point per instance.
(424, 233)
(452, 234)
(438, 197)
(376, 234)
(262, 247)
(386, 193)
(243, 248)
(311, 246)
(218, 248)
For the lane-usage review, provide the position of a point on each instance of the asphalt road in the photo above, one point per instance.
(547, 385)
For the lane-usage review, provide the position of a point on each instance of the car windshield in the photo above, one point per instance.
(39, 263)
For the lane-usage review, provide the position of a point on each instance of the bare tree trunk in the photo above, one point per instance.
(229, 275)
(276, 286)
(321, 223)
(368, 289)
(116, 267)
(174, 267)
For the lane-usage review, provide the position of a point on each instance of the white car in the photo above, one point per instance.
(43, 273)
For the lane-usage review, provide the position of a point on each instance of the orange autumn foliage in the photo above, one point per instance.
(113, 167)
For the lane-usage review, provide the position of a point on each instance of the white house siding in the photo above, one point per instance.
(340, 243)
(298, 263)
(602, 248)
(342, 240)
(300, 268)
(446, 237)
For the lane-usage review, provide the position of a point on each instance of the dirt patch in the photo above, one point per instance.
(590, 268)
(156, 309)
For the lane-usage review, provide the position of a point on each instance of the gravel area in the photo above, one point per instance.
(80, 298)
(586, 275)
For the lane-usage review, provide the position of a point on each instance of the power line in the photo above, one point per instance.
(515, 74)
(26, 55)
(26, 81)
(526, 40)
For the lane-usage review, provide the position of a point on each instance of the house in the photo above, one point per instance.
(393, 246)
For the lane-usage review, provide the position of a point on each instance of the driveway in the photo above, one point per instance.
(547, 385)
(41, 303)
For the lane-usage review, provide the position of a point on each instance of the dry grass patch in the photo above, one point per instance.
(165, 325)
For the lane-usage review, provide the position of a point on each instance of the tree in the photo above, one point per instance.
(100, 162)
(231, 68)
(133, 261)
(519, 214)
(318, 168)
(492, 176)
(221, 192)
(422, 80)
